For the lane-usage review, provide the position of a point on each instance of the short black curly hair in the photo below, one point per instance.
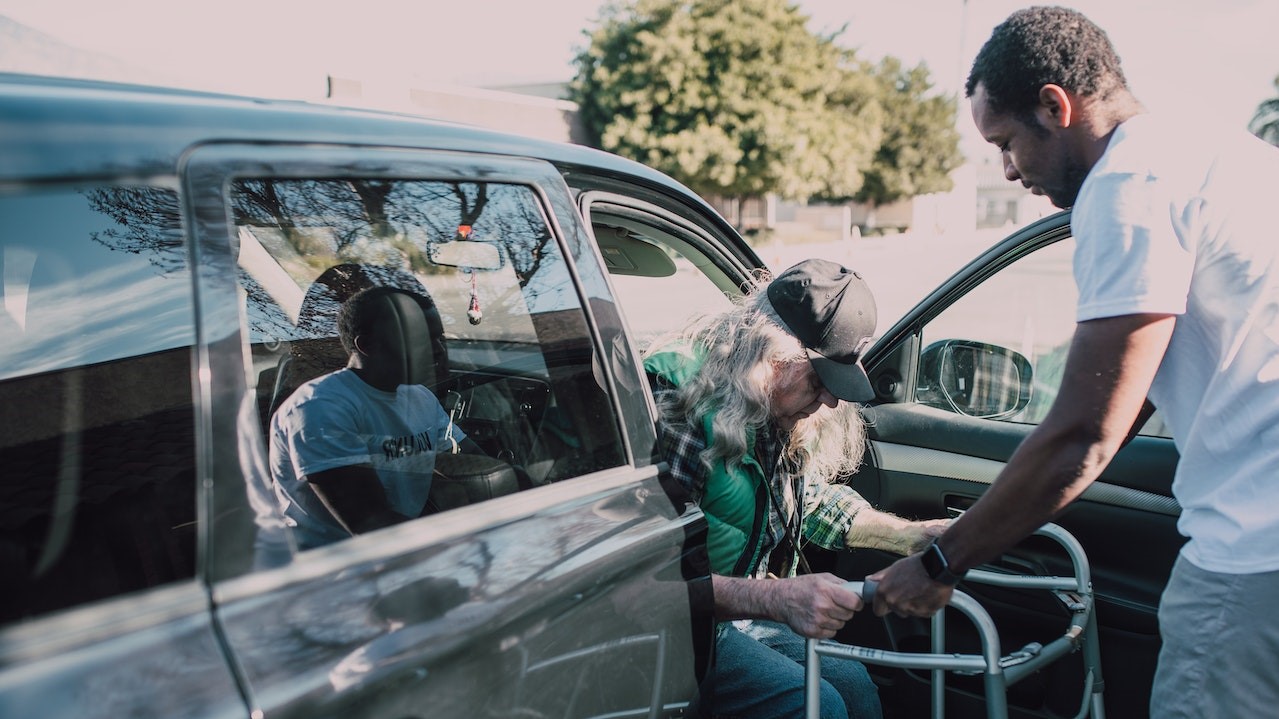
(1038, 46)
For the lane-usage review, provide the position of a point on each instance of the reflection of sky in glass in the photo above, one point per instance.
(85, 301)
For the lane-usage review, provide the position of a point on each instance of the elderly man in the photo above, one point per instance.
(758, 425)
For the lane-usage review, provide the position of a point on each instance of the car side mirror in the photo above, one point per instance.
(974, 379)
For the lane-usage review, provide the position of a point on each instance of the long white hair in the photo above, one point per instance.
(735, 381)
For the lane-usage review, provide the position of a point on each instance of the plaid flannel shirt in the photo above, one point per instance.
(828, 509)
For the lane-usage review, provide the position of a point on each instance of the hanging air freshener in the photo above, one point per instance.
(474, 313)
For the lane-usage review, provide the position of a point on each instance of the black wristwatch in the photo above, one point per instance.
(937, 567)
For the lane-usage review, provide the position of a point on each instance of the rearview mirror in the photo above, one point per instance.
(468, 254)
(974, 379)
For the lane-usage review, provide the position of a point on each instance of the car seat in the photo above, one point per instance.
(318, 351)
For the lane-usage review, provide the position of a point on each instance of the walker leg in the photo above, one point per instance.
(812, 681)
(939, 675)
(1092, 664)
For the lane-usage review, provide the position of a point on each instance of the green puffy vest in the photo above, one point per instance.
(735, 501)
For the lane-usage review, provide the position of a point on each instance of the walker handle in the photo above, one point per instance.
(868, 592)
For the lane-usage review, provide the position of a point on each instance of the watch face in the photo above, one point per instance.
(934, 561)
(936, 566)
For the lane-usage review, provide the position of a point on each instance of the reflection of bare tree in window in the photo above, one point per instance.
(318, 315)
(352, 210)
(268, 320)
(150, 224)
(265, 202)
(373, 222)
(528, 252)
(373, 195)
(408, 216)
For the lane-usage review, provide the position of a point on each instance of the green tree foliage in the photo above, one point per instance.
(920, 145)
(1265, 124)
(738, 98)
(730, 97)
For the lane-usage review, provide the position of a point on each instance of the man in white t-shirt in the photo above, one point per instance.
(354, 450)
(1179, 303)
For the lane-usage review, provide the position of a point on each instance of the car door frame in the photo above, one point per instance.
(397, 667)
(726, 251)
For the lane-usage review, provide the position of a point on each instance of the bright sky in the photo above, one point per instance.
(1215, 59)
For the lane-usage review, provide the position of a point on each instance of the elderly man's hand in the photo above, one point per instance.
(925, 532)
(814, 605)
(906, 590)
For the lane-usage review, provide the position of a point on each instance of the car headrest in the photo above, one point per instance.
(414, 328)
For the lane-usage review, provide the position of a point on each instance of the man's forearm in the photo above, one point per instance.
(1042, 477)
(873, 529)
(742, 598)
(1108, 372)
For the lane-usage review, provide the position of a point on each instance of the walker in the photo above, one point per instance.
(999, 672)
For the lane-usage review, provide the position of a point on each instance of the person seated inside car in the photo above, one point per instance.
(354, 450)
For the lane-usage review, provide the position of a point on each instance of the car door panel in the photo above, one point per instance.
(488, 610)
(154, 654)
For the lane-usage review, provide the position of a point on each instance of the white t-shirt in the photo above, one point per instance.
(1174, 222)
(338, 420)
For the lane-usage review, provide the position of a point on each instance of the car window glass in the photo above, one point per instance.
(96, 413)
(1027, 307)
(505, 356)
(661, 278)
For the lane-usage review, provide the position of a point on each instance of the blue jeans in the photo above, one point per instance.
(759, 674)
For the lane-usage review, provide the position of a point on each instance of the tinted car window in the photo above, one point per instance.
(96, 414)
(1027, 307)
(513, 362)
